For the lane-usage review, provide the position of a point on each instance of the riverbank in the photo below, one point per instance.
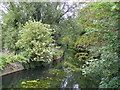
(11, 68)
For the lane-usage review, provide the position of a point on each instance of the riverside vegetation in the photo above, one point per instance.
(87, 37)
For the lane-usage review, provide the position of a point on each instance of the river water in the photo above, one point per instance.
(60, 78)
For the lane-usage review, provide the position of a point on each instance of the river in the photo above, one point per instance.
(56, 78)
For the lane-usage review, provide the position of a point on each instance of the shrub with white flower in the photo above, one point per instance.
(35, 39)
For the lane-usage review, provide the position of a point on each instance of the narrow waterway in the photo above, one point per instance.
(14, 80)
(57, 78)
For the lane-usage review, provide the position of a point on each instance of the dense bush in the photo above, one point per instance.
(35, 39)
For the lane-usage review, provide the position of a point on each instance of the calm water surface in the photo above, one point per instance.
(72, 80)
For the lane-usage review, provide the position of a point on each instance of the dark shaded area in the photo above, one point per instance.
(14, 80)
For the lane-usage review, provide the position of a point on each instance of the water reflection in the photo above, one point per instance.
(13, 80)
(48, 78)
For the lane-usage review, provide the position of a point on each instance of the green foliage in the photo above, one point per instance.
(20, 12)
(90, 40)
(70, 67)
(11, 21)
(100, 19)
(47, 83)
(113, 83)
(87, 40)
(47, 11)
(7, 59)
(57, 53)
(35, 39)
(69, 32)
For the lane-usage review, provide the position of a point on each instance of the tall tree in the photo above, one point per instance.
(19, 13)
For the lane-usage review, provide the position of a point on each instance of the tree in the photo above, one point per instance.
(10, 27)
(19, 13)
(101, 19)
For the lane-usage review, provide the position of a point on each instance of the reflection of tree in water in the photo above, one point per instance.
(47, 78)
(52, 79)
(11, 80)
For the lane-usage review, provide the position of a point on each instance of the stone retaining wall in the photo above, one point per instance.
(13, 67)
